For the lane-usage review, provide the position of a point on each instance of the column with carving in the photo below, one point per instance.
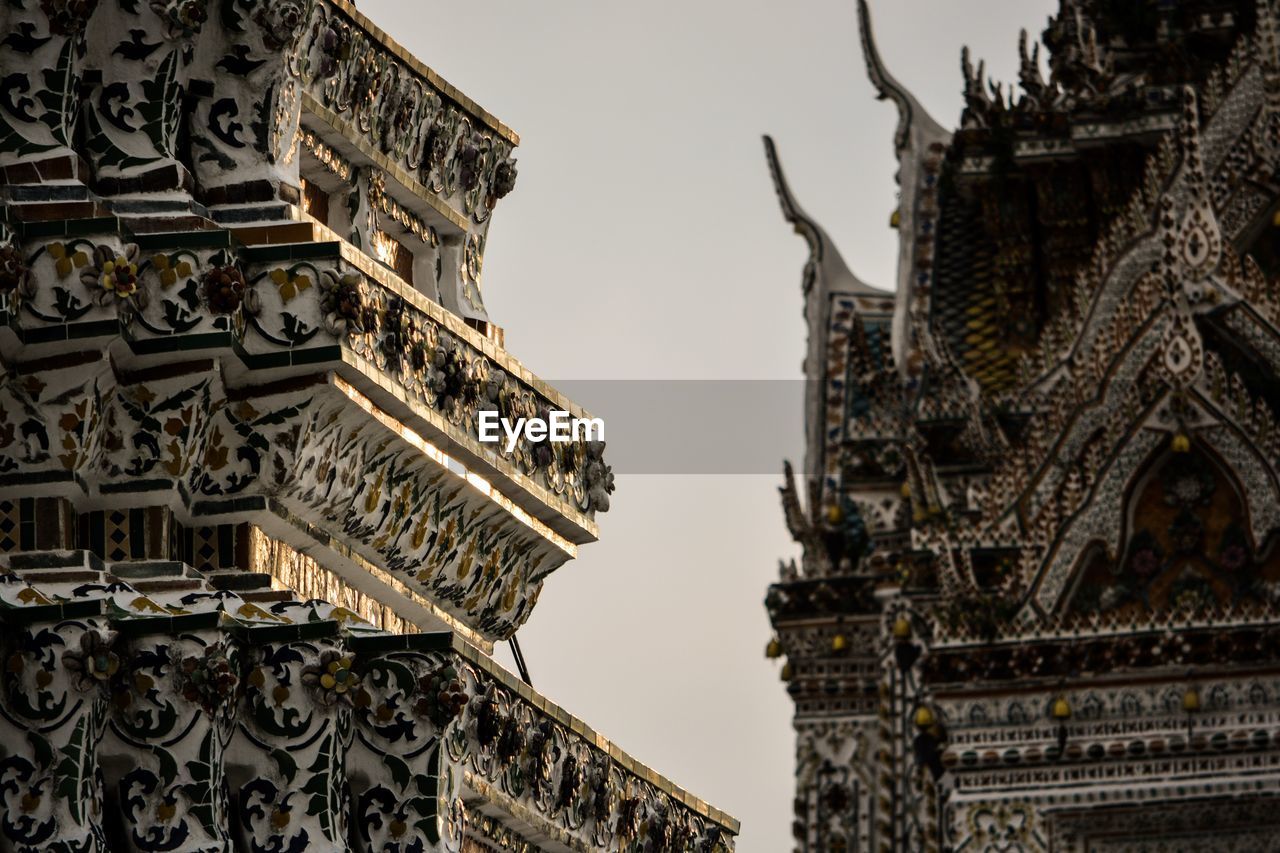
(245, 116)
(293, 735)
(138, 62)
(58, 668)
(42, 63)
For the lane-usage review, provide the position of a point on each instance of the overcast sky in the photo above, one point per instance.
(643, 241)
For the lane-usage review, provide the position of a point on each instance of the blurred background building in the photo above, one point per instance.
(1036, 608)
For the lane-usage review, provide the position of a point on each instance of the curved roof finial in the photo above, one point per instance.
(824, 259)
(804, 226)
(825, 276)
(911, 116)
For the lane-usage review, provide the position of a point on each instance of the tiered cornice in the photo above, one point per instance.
(253, 555)
(141, 687)
(305, 374)
(285, 314)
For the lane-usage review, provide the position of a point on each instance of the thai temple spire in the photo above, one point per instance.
(1029, 75)
(1053, 540)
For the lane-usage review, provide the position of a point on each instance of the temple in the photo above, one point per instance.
(1037, 603)
(253, 559)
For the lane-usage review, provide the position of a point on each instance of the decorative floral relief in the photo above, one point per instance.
(55, 692)
(409, 724)
(406, 512)
(224, 288)
(447, 373)
(174, 703)
(402, 114)
(508, 746)
(300, 796)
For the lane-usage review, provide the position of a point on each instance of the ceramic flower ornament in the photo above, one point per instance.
(332, 678)
(93, 662)
(342, 303)
(112, 275)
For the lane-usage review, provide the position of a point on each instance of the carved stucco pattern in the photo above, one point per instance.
(1226, 134)
(1242, 827)
(243, 127)
(140, 58)
(178, 729)
(245, 75)
(995, 826)
(417, 520)
(1204, 838)
(322, 736)
(53, 720)
(414, 350)
(1119, 716)
(402, 113)
(1258, 338)
(1188, 182)
(284, 308)
(1015, 719)
(815, 641)
(40, 105)
(1243, 209)
(1127, 273)
(882, 512)
(1113, 783)
(294, 732)
(1121, 389)
(1262, 496)
(1099, 521)
(839, 743)
(841, 316)
(312, 449)
(1224, 127)
(506, 749)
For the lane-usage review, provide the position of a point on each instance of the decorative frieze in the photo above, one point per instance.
(403, 111)
(286, 311)
(326, 730)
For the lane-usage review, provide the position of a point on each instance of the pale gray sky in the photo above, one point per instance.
(643, 241)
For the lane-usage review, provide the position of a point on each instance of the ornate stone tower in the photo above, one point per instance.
(1037, 608)
(253, 558)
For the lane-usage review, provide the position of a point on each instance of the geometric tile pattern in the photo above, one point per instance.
(137, 533)
(36, 523)
(213, 547)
